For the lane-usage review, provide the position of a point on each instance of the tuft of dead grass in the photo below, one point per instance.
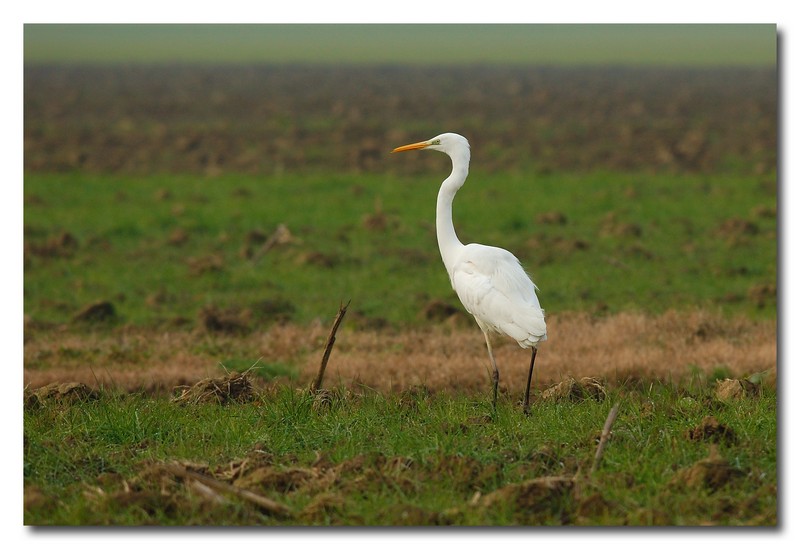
(234, 387)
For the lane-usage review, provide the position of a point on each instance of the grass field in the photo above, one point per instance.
(172, 237)
(163, 248)
(179, 256)
(405, 459)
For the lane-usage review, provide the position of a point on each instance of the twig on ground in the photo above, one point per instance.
(269, 506)
(317, 384)
(280, 236)
(612, 415)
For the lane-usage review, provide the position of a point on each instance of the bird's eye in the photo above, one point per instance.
(436, 142)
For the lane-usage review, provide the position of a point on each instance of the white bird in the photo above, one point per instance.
(489, 281)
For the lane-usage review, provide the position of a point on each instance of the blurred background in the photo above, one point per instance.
(628, 166)
(268, 98)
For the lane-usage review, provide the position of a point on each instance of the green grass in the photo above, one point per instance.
(161, 248)
(410, 458)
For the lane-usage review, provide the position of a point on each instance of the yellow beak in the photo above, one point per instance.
(412, 146)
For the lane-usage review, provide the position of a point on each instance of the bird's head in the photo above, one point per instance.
(451, 144)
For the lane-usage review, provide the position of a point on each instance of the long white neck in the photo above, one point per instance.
(449, 244)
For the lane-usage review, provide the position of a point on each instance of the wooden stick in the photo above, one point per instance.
(317, 385)
(612, 415)
(270, 506)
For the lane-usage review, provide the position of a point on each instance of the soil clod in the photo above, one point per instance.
(711, 429)
(535, 495)
(97, 312)
(711, 473)
(62, 393)
(734, 389)
(576, 390)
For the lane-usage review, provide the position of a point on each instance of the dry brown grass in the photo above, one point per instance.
(442, 357)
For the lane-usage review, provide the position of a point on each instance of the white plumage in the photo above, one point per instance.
(489, 281)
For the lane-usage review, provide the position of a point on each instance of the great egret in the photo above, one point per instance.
(489, 281)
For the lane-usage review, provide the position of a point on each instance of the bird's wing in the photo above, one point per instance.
(495, 289)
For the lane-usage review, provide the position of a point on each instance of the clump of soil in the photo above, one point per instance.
(762, 294)
(711, 429)
(411, 397)
(206, 264)
(178, 237)
(98, 312)
(612, 226)
(63, 244)
(734, 389)
(324, 506)
(736, 227)
(439, 310)
(378, 220)
(234, 387)
(280, 479)
(317, 259)
(227, 321)
(551, 218)
(467, 473)
(594, 505)
(323, 400)
(277, 309)
(61, 393)
(576, 390)
(711, 473)
(537, 495)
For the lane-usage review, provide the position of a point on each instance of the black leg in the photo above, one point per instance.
(526, 402)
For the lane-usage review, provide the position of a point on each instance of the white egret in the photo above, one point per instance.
(489, 281)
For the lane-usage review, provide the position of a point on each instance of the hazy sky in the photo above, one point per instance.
(694, 45)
